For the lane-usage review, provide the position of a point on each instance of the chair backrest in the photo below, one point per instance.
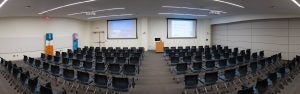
(253, 66)
(120, 83)
(273, 77)
(100, 66)
(49, 57)
(24, 76)
(68, 73)
(83, 76)
(262, 86)
(32, 83)
(56, 58)
(76, 63)
(37, 63)
(114, 67)
(198, 58)
(43, 56)
(246, 91)
(175, 59)
(99, 58)
(262, 63)
(210, 64)
(134, 60)
(211, 78)
(181, 67)
(109, 59)
(87, 65)
(254, 55)
(191, 81)
(229, 74)
(187, 59)
(130, 69)
(243, 70)
(25, 58)
(65, 61)
(222, 62)
(31, 60)
(101, 80)
(261, 54)
(240, 58)
(46, 66)
(121, 60)
(197, 65)
(55, 69)
(46, 89)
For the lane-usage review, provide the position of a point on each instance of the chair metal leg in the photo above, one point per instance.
(87, 89)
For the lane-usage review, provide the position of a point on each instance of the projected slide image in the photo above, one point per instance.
(181, 28)
(122, 29)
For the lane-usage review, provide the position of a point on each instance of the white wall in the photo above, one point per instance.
(26, 35)
(272, 36)
(148, 29)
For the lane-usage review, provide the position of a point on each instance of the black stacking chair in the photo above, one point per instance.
(49, 58)
(43, 56)
(130, 70)
(196, 67)
(110, 60)
(121, 60)
(261, 64)
(253, 67)
(55, 70)
(261, 54)
(248, 51)
(226, 55)
(64, 54)
(99, 59)
(191, 82)
(56, 59)
(197, 58)
(57, 53)
(76, 64)
(229, 75)
(46, 89)
(262, 86)
(181, 68)
(100, 68)
(273, 77)
(231, 62)
(30, 61)
(217, 56)
(120, 84)
(88, 58)
(246, 91)
(66, 62)
(69, 74)
(240, 59)
(87, 66)
(187, 59)
(242, 52)
(37, 64)
(32, 85)
(174, 61)
(24, 76)
(79, 56)
(46, 67)
(114, 69)
(83, 77)
(243, 70)
(254, 56)
(25, 58)
(210, 78)
(210, 65)
(207, 56)
(134, 60)
(101, 82)
(247, 57)
(222, 63)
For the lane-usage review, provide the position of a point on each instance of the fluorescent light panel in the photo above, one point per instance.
(229, 3)
(102, 10)
(181, 14)
(3, 2)
(110, 16)
(177, 7)
(66, 6)
(296, 2)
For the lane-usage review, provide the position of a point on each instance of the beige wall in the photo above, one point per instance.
(272, 36)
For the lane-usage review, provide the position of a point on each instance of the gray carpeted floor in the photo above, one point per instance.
(155, 78)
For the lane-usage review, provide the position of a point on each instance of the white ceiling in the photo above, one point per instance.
(148, 8)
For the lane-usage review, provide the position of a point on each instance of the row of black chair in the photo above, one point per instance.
(102, 68)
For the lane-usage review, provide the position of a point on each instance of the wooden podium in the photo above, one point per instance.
(159, 47)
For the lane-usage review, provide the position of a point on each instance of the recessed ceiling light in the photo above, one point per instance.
(296, 2)
(181, 14)
(110, 16)
(67, 5)
(229, 3)
(177, 7)
(86, 12)
(3, 2)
